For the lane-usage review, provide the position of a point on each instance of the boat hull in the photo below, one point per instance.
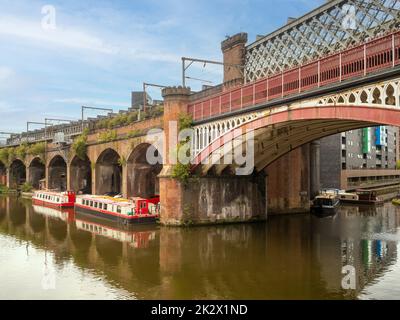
(364, 202)
(52, 205)
(112, 217)
(324, 211)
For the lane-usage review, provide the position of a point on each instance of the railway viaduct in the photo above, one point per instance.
(312, 78)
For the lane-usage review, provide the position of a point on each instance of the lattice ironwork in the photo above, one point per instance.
(332, 27)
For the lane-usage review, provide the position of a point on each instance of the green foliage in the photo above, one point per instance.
(8, 155)
(79, 146)
(37, 149)
(108, 136)
(185, 121)
(4, 189)
(125, 119)
(122, 161)
(181, 172)
(21, 151)
(122, 119)
(134, 133)
(398, 165)
(152, 112)
(4, 154)
(26, 187)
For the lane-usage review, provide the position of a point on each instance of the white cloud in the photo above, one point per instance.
(79, 39)
(92, 102)
(5, 74)
(70, 38)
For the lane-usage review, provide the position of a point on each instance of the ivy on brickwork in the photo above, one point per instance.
(79, 146)
(182, 171)
(8, 155)
(135, 133)
(122, 161)
(108, 136)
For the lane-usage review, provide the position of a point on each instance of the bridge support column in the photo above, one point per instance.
(94, 178)
(47, 170)
(289, 183)
(68, 176)
(124, 181)
(8, 177)
(28, 175)
(213, 200)
(315, 167)
(175, 102)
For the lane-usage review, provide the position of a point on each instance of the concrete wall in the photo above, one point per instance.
(213, 200)
(331, 161)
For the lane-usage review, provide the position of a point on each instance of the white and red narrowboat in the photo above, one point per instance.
(135, 210)
(54, 199)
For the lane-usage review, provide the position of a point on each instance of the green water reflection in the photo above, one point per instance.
(289, 257)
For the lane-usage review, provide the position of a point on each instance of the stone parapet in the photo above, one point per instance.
(240, 38)
(175, 92)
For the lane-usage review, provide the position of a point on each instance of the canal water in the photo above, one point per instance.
(48, 254)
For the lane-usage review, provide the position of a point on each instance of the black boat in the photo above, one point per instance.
(325, 204)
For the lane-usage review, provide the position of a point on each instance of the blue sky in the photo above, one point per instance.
(102, 50)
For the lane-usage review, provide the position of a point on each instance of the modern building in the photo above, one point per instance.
(360, 157)
(138, 99)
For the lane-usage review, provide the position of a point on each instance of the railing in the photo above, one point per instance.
(42, 135)
(377, 54)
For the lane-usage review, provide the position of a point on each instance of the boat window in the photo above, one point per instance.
(143, 205)
(95, 204)
(100, 206)
(105, 207)
(118, 209)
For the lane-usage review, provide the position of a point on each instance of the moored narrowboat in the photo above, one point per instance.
(135, 210)
(368, 197)
(54, 199)
(325, 204)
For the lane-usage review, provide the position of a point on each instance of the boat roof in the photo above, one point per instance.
(143, 199)
(325, 196)
(107, 199)
(365, 191)
(52, 193)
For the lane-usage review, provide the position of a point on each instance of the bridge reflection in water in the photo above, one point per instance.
(289, 257)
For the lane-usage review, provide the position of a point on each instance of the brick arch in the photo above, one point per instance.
(80, 175)
(36, 172)
(17, 172)
(108, 172)
(142, 173)
(57, 169)
(3, 173)
(313, 122)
